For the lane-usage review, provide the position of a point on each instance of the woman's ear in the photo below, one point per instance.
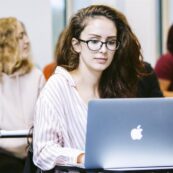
(76, 45)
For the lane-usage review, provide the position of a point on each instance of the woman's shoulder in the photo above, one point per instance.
(34, 75)
(36, 71)
(58, 80)
(57, 86)
(167, 57)
(62, 76)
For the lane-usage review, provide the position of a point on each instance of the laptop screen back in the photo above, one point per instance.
(129, 133)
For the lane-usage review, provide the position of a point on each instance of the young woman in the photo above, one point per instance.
(99, 58)
(20, 84)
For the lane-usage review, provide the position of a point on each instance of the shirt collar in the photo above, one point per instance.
(66, 74)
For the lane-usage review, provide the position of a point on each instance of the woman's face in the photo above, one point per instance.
(97, 29)
(23, 41)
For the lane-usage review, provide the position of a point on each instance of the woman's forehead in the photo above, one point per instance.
(100, 26)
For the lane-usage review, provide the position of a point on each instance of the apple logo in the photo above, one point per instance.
(136, 133)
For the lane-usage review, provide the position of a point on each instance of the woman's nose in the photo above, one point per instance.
(103, 48)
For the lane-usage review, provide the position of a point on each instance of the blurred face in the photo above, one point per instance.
(23, 40)
(97, 44)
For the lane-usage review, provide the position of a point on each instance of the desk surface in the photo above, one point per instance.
(15, 133)
(83, 170)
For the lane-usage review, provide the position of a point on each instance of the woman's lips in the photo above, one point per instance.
(101, 60)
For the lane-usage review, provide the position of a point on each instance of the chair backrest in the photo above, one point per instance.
(29, 167)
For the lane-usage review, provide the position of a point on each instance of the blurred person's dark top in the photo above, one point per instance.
(148, 86)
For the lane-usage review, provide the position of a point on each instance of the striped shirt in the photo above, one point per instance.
(59, 122)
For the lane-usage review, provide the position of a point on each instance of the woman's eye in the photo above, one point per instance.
(21, 35)
(112, 42)
(94, 41)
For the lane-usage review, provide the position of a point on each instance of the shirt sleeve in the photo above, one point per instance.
(48, 136)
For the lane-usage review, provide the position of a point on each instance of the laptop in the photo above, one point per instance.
(130, 134)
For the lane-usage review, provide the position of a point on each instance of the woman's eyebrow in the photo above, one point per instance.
(99, 36)
(112, 37)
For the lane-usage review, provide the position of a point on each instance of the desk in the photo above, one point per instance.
(15, 133)
(82, 170)
(25, 133)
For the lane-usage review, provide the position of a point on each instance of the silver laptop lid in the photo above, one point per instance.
(129, 133)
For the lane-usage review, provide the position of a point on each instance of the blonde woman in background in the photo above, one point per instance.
(20, 84)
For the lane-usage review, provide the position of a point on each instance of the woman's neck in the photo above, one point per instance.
(87, 84)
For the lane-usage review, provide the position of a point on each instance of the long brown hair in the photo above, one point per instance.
(120, 78)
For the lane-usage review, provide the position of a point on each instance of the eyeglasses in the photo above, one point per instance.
(96, 45)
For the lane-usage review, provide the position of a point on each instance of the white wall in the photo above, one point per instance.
(36, 15)
(170, 12)
(167, 20)
(166, 11)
